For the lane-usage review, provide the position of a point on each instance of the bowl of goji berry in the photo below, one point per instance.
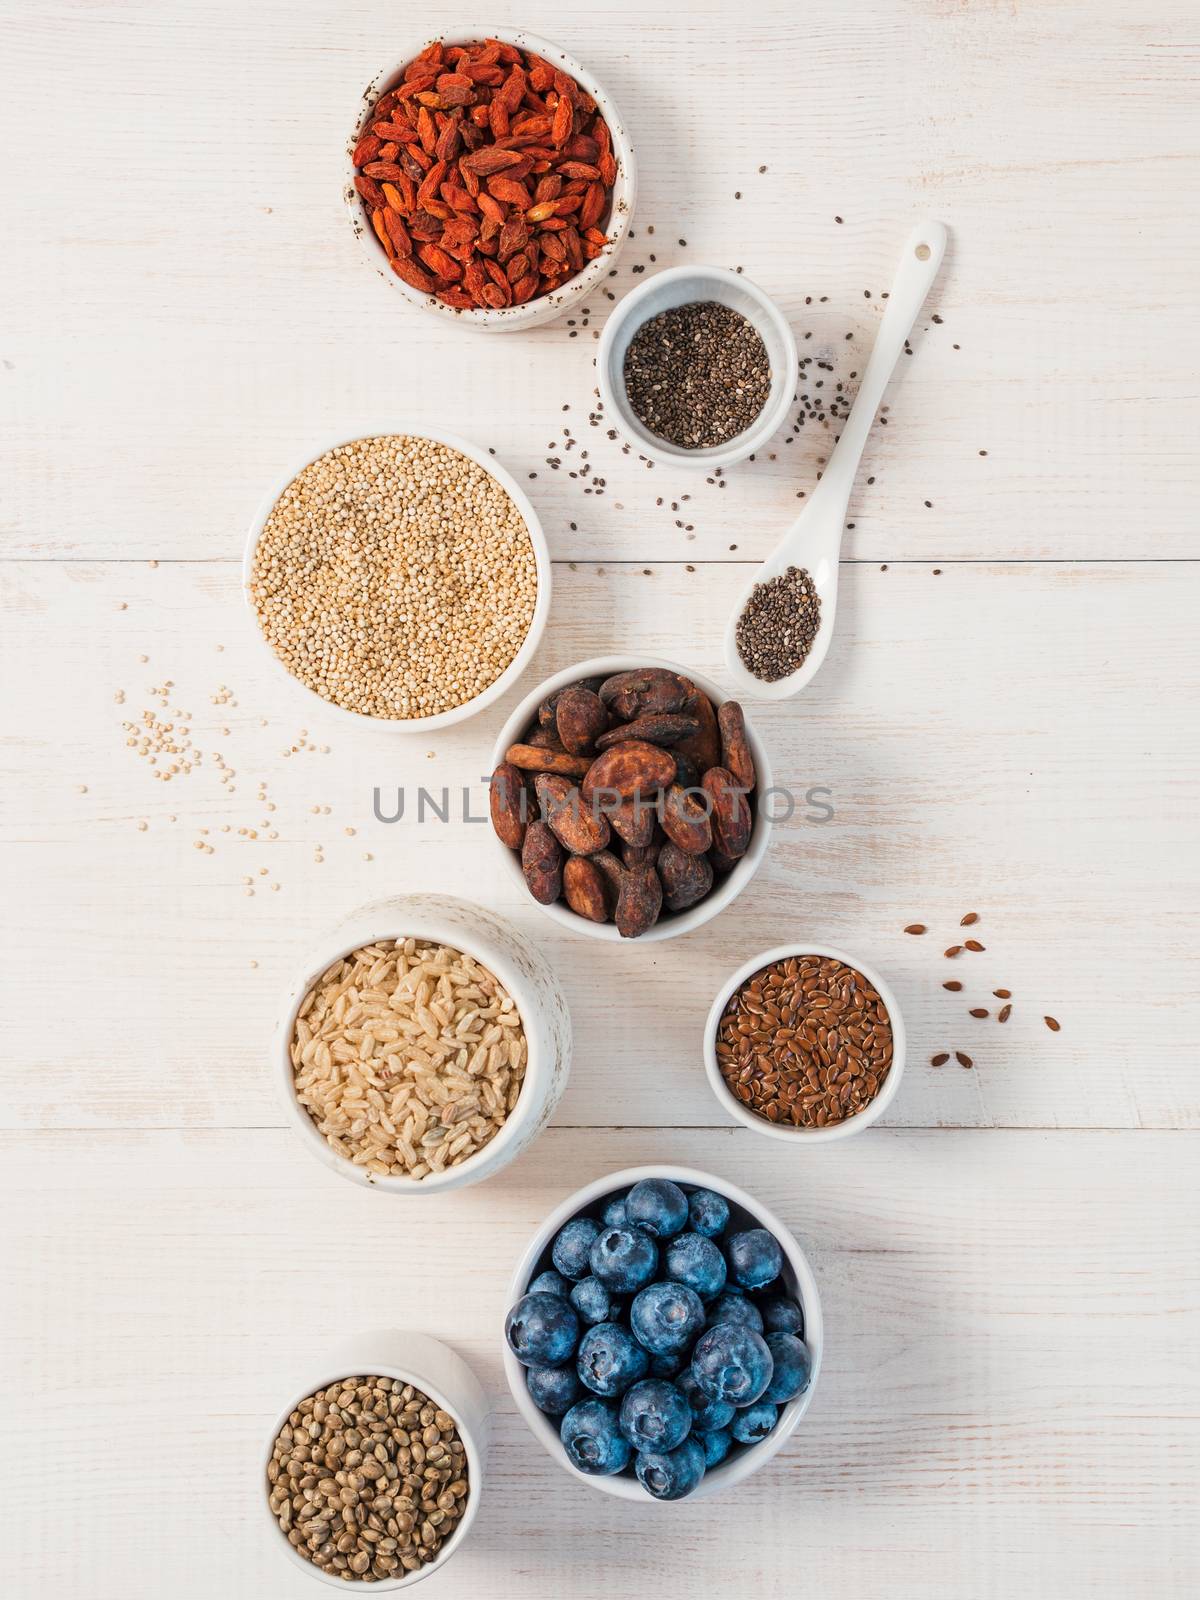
(491, 180)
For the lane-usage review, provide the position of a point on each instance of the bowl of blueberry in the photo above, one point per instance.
(663, 1336)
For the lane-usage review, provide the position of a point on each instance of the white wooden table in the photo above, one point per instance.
(1007, 723)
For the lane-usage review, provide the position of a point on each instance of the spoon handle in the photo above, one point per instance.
(919, 263)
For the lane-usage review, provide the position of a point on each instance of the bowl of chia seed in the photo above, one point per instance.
(698, 366)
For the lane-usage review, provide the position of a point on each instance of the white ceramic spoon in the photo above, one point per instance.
(815, 538)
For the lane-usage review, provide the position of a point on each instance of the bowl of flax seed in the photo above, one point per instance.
(804, 1042)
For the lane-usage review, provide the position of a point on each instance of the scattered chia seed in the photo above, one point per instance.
(697, 375)
(778, 625)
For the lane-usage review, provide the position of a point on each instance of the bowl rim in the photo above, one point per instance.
(537, 538)
(727, 1473)
(474, 1469)
(723, 895)
(340, 943)
(840, 1130)
(742, 444)
(624, 195)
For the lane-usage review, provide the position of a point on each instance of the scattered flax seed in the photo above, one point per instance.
(954, 986)
(969, 920)
(939, 1060)
(954, 950)
(963, 1059)
(1053, 1024)
(1002, 994)
(916, 927)
(979, 1011)
(974, 944)
(1004, 1013)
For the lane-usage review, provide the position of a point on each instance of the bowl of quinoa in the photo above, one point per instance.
(400, 578)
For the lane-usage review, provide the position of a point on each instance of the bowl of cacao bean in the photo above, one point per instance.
(490, 180)
(805, 1043)
(626, 795)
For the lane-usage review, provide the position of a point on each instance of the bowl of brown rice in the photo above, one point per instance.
(423, 1046)
(401, 578)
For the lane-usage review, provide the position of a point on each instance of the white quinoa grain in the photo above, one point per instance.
(395, 577)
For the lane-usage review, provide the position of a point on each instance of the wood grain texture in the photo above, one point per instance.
(1007, 723)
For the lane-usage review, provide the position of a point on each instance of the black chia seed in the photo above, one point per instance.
(780, 621)
(697, 375)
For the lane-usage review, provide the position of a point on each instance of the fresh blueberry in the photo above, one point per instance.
(708, 1416)
(733, 1306)
(692, 1259)
(666, 1317)
(553, 1389)
(793, 1367)
(550, 1282)
(614, 1212)
(781, 1315)
(593, 1441)
(572, 1247)
(592, 1300)
(754, 1422)
(655, 1416)
(670, 1474)
(708, 1213)
(716, 1446)
(754, 1258)
(669, 1364)
(542, 1330)
(610, 1359)
(732, 1362)
(658, 1207)
(624, 1259)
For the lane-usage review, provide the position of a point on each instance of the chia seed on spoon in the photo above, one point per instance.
(778, 624)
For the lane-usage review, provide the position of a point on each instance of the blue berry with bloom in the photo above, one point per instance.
(754, 1422)
(732, 1362)
(793, 1367)
(716, 1445)
(658, 1207)
(666, 1317)
(624, 1259)
(542, 1330)
(708, 1212)
(671, 1474)
(754, 1258)
(733, 1306)
(614, 1213)
(553, 1390)
(781, 1315)
(593, 1441)
(655, 1416)
(572, 1247)
(708, 1415)
(550, 1282)
(592, 1300)
(692, 1259)
(610, 1359)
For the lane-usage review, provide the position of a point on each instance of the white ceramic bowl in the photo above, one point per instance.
(670, 925)
(523, 971)
(437, 1371)
(541, 609)
(841, 1130)
(545, 307)
(680, 286)
(797, 1275)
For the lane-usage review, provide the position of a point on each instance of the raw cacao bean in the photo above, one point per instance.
(640, 855)
(686, 878)
(586, 890)
(633, 820)
(639, 902)
(530, 759)
(735, 747)
(631, 694)
(581, 719)
(541, 862)
(656, 727)
(571, 819)
(685, 819)
(730, 813)
(546, 739)
(613, 871)
(703, 748)
(627, 770)
(507, 798)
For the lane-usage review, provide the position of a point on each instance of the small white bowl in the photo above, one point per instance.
(524, 972)
(672, 924)
(797, 1276)
(541, 609)
(773, 1130)
(681, 286)
(437, 1371)
(545, 307)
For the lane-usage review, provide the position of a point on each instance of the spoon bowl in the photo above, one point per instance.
(814, 540)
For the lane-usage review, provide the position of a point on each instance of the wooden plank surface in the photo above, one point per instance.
(1007, 723)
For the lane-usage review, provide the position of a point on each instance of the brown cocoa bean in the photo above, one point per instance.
(656, 727)
(627, 770)
(586, 889)
(631, 694)
(633, 820)
(702, 748)
(572, 820)
(686, 878)
(545, 739)
(530, 759)
(541, 862)
(735, 747)
(721, 863)
(639, 902)
(581, 719)
(729, 813)
(508, 800)
(640, 855)
(614, 872)
(685, 820)
(687, 773)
